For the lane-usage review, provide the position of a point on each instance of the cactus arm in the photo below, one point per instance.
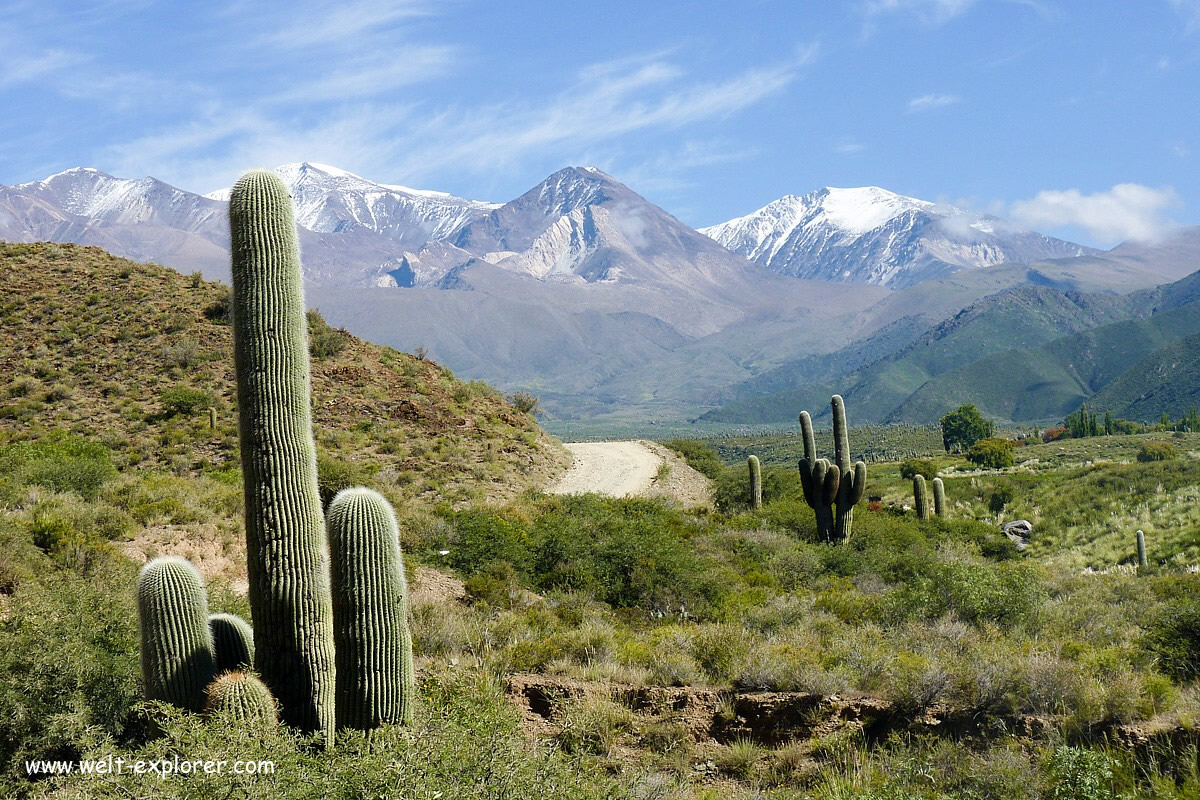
(920, 497)
(810, 439)
(370, 612)
(841, 437)
(233, 642)
(287, 557)
(177, 646)
(755, 482)
(860, 482)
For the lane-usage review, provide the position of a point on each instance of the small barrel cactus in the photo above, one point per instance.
(242, 697)
(233, 642)
(921, 496)
(755, 482)
(177, 646)
(939, 497)
(375, 679)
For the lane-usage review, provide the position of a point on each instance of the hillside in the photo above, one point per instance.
(134, 355)
(1167, 380)
(1050, 381)
(996, 323)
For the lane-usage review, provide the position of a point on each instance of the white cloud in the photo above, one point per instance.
(849, 148)
(931, 101)
(932, 12)
(1126, 211)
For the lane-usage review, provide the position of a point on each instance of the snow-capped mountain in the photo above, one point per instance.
(582, 226)
(871, 235)
(332, 200)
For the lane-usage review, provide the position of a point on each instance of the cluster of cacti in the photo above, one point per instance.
(832, 489)
(755, 482)
(242, 697)
(939, 497)
(920, 496)
(298, 616)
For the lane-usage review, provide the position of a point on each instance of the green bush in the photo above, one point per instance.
(963, 427)
(334, 474)
(323, 341)
(1173, 636)
(525, 402)
(993, 453)
(184, 401)
(1081, 774)
(911, 467)
(1156, 451)
(60, 462)
(698, 455)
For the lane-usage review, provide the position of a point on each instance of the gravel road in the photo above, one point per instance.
(617, 469)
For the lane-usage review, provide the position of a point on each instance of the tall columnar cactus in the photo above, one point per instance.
(370, 612)
(939, 497)
(287, 555)
(853, 477)
(233, 642)
(242, 697)
(819, 479)
(755, 482)
(1141, 549)
(920, 496)
(177, 648)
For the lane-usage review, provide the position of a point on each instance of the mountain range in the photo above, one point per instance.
(606, 305)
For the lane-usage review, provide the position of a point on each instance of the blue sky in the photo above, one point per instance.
(1077, 118)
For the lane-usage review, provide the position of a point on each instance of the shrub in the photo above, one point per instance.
(524, 402)
(1000, 499)
(184, 401)
(1156, 451)
(992, 453)
(62, 463)
(334, 474)
(1174, 637)
(1081, 774)
(323, 340)
(699, 456)
(911, 467)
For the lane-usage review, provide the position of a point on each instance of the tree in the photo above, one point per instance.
(965, 426)
(1108, 423)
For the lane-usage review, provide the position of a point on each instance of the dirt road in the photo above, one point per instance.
(617, 469)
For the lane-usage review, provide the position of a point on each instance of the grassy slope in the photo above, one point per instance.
(92, 340)
(1050, 381)
(996, 323)
(1166, 380)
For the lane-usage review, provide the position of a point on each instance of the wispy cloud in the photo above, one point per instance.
(23, 61)
(1189, 10)
(668, 171)
(1126, 211)
(397, 141)
(932, 12)
(931, 101)
(327, 22)
(849, 148)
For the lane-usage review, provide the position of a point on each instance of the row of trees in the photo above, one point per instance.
(964, 427)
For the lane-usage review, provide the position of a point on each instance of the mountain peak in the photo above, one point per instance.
(872, 235)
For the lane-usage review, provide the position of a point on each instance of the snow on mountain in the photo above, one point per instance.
(871, 235)
(331, 200)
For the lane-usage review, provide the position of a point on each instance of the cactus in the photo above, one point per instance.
(233, 642)
(820, 482)
(370, 612)
(852, 480)
(755, 482)
(212, 418)
(939, 497)
(921, 496)
(1141, 549)
(177, 647)
(242, 697)
(287, 555)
